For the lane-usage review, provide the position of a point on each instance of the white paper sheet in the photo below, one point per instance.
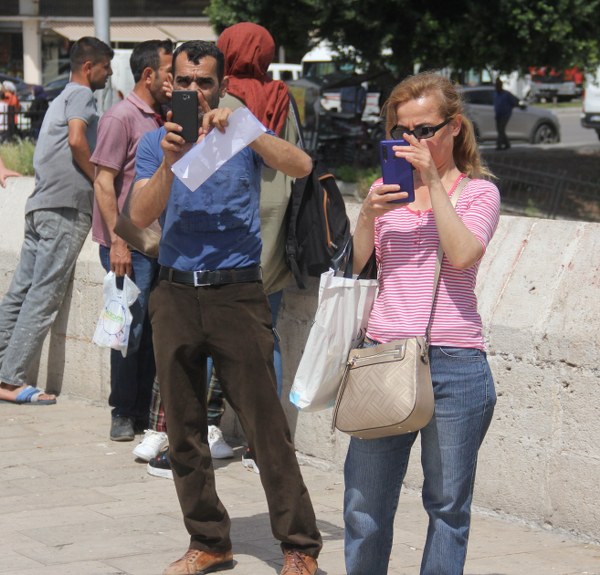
(205, 158)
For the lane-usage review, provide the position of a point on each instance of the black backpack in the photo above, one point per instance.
(318, 228)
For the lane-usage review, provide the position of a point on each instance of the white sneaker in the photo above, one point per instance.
(219, 448)
(151, 445)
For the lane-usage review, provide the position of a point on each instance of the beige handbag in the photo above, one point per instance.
(386, 389)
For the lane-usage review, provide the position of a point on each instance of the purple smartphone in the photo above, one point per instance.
(396, 170)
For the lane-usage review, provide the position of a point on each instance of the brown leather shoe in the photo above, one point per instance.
(196, 562)
(298, 563)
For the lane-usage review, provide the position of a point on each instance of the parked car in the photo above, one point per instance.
(530, 123)
(57, 85)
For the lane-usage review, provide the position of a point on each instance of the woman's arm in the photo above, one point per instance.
(460, 245)
(378, 202)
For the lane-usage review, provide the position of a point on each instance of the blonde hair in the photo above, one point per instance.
(466, 153)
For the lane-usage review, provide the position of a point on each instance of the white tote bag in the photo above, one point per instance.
(112, 329)
(339, 326)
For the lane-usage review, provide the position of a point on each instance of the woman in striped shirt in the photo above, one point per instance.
(426, 111)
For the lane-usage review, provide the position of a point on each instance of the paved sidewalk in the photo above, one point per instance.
(75, 503)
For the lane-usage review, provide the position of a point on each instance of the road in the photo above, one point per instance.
(571, 132)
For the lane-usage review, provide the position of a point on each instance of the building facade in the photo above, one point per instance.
(35, 35)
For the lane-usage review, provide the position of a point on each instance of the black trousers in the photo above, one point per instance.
(502, 140)
(232, 323)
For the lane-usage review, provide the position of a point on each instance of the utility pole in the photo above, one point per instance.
(104, 98)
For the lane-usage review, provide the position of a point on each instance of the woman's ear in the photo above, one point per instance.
(456, 125)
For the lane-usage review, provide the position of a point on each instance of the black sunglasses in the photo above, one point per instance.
(420, 132)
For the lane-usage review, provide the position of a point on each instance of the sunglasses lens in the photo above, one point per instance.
(396, 132)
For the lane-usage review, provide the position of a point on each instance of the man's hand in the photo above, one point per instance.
(173, 145)
(6, 173)
(168, 86)
(120, 258)
(217, 118)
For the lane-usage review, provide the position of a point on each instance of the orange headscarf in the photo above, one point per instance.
(249, 49)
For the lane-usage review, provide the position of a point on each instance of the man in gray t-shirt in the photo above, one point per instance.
(57, 220)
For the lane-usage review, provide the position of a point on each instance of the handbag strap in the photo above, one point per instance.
(440, 255)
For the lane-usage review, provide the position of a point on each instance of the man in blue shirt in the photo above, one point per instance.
(504, 102)
(210, 301)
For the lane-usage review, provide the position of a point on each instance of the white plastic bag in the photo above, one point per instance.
(114, 323)
(340, 325)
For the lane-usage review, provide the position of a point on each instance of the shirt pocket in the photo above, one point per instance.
(223, 203)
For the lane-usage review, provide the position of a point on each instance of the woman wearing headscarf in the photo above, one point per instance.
(249, 50)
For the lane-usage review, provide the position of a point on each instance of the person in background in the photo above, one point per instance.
(14, 105)
(249, 50)
(6, 173)
(426, 111)
(504, 102)
(58, 216)
(37, 110)
(4, 117)
(119, 133)
(210, 301)
(353, 98)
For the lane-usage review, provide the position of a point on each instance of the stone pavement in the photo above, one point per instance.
(75, 503)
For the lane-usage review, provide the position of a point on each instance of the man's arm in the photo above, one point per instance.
(80, 147)
(150, 196)
(275, 152)
(151, 191)
(283, 156)
(106, 196)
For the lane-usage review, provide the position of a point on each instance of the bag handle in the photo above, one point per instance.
(295, 118)
(440, 254)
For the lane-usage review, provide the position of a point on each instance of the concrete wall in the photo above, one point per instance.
(539, 291)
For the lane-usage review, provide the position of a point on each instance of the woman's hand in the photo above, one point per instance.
(419, 156)
(381, 199)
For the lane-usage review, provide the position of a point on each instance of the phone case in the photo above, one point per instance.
(397, 170)
(184, 104)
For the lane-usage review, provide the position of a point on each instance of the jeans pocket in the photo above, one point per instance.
(462, 353)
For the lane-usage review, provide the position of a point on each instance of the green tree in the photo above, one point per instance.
(501, 34)
(289, 22)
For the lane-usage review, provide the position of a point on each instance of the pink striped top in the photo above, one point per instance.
(406, 244)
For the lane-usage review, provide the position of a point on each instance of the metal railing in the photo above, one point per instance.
(18, 124)
(546, 191)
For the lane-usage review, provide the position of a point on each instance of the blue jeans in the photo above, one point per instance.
(131, 377)
(375, 469)
(53, 240)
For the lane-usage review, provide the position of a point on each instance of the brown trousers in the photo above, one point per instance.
(233, 324)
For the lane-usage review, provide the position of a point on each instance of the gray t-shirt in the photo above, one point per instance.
(59, 182)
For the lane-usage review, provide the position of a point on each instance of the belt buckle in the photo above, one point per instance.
(197, 282)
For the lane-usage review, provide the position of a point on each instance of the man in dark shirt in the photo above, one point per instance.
(504, 102)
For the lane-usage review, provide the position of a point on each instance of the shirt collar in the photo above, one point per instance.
(144, 107)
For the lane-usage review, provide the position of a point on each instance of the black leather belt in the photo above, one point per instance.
(211, 278)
